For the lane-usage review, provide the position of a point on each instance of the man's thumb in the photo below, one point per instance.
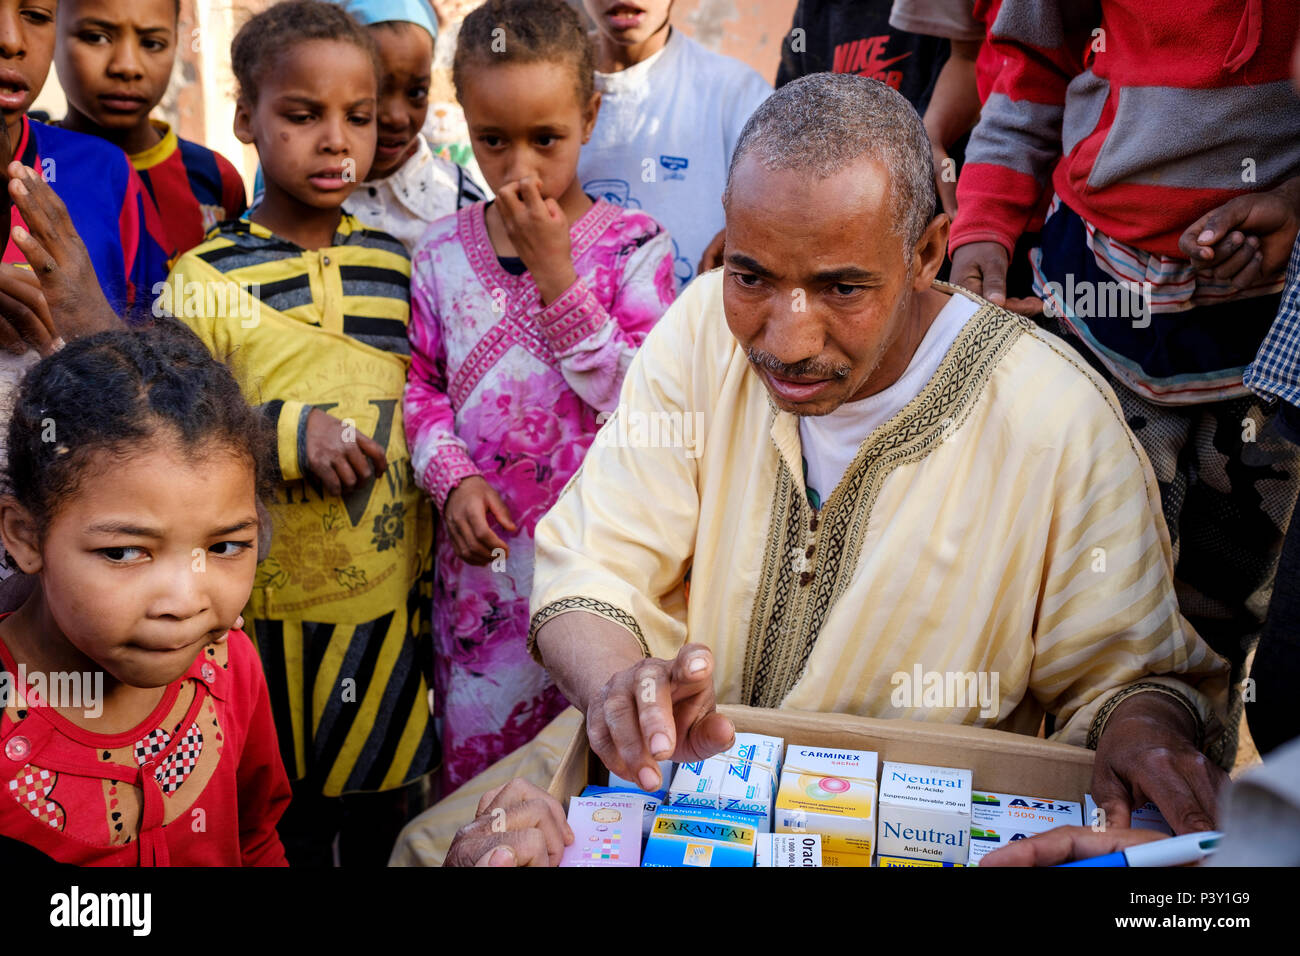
(497, 856)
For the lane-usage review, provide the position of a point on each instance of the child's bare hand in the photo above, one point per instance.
(539, 232)
(25, 320)
(341, 457)
(1247, 239)
(466, 517)
(58, 257)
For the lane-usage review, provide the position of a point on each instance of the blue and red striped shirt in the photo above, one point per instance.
(193, 187)
(109, 208)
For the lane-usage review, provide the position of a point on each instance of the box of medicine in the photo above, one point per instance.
(830, 791)
(1001, 761)
(1145, 817)
(606, 830)
(701, 836)
(652, 802)
(742, 780)
(788, 849)
(1036, 814)
(905, 861)
(838, 858)
(925, 812)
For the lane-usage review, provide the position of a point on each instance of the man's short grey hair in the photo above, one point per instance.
(824, 122)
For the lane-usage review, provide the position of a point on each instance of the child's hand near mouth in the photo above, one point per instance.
(539, 232)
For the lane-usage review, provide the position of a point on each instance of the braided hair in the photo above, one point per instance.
(115, 391)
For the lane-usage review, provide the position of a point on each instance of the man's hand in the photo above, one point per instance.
(1146, 753)
(339, 455)
(712, 257)
(466, 518)
(25, 321)
(1247, 239)
(58, 258)
(539, 232)
(658, 709)
(982, 268)
(1067, 844)
(517, 824)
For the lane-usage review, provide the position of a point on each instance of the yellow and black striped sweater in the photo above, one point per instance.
(340, 605)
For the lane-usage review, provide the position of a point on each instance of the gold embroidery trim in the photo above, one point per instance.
(591, 605)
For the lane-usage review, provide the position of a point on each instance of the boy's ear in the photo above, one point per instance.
(589, 115)
(244, 121)
(20, 536)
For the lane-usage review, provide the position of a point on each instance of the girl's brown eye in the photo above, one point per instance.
(120, 555)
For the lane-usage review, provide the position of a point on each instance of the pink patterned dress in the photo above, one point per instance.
(506, 388)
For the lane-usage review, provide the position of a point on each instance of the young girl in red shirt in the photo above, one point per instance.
(132, 731)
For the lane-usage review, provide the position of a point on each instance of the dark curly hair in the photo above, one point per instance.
(279, 27)
(114, 391)
(532, 31)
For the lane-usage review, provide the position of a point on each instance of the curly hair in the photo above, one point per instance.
(281, 26)
(525, 31)
(115, 391)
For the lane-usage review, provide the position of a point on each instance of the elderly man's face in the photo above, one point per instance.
(815, 285)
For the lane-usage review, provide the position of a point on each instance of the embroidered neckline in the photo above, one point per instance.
(471, 230)
(791, 602)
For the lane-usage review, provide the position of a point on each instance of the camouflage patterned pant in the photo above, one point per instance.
(1228, 484)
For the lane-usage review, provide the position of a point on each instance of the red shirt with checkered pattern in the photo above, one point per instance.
(198, 783)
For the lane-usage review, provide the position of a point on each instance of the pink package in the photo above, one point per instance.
(606, 831)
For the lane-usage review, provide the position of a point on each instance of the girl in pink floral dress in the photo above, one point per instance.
(525, 313)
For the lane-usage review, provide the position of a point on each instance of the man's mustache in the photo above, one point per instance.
(808, 368)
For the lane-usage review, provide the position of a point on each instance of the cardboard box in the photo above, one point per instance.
(742, 780)
(831, 791)
(999, 761)
(788, 849)
(906, 861)
(925, 812)
(1011, 811)
(701, 836)
(651, 803)
(1001, 818)
(606, 831)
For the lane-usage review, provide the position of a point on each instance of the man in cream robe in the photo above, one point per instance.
(835, 477)
(831, 484)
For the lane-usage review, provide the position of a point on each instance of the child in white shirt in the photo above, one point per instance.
(670, 114)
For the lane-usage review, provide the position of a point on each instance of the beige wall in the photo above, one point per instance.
(749, 30)
(203, 88)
